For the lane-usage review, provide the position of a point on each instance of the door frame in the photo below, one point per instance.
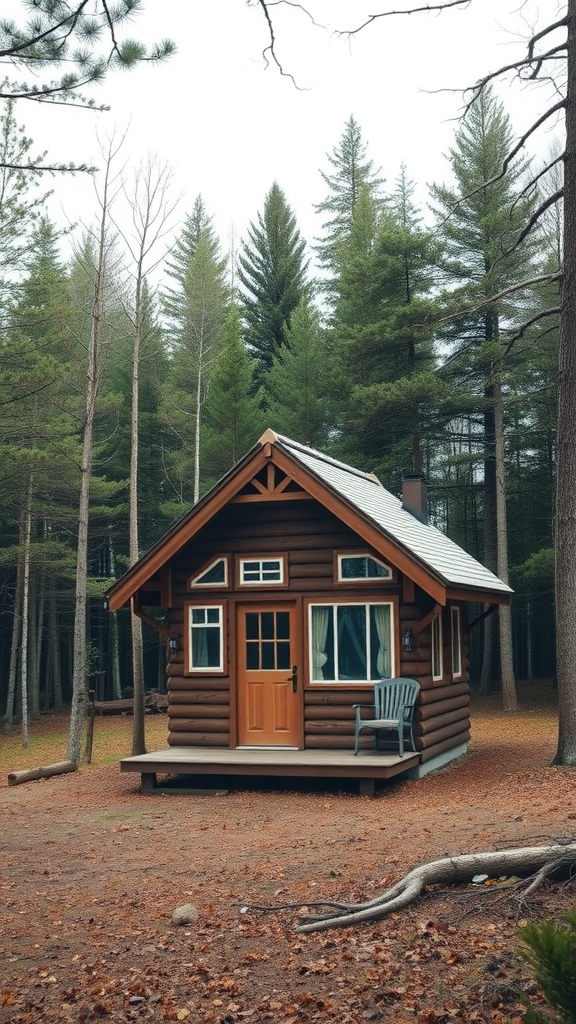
(269, 602)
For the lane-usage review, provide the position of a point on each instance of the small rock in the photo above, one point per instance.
(186, 914)
(479, 879)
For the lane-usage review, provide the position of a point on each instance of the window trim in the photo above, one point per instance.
(436, 627)
(192, 581)
(456, 639)
(369, 581)
(332, 601)
(280, 584)
(189, 670)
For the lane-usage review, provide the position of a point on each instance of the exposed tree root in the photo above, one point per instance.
(536, 861)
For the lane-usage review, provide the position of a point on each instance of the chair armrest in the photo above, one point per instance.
(363, 705)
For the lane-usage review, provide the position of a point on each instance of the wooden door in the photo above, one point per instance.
(269, 683)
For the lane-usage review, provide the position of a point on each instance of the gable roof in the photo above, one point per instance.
(422, 551)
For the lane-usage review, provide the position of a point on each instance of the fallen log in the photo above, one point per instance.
(526, 860)
(30, 774)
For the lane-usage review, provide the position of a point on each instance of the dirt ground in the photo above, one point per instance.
(91, 872)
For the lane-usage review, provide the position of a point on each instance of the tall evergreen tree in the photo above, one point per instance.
(383, 353)
(272, 274)
(296, 384)
(195, 307)
(233, 414)
(351, 172)
(480, 221)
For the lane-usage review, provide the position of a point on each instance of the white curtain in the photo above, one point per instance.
(382, 623)
(320, 620)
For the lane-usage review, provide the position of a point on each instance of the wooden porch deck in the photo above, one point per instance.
(366, 768)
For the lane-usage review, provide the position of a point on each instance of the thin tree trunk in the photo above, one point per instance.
(25, 615)
(55, 653)
(566, 460)
(79, 681)
(509, 699)
(16, 629)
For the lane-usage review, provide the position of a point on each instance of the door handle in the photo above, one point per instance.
(293, 678)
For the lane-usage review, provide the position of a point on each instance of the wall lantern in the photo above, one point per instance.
(174, 643)
(407, 639)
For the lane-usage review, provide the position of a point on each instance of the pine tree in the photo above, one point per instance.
(233, 414)
(272, 273)
(296, 383)
(383, 348)
(195, 309)
(352, 172)
(480, 220)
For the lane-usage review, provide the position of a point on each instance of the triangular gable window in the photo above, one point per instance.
(213, 575)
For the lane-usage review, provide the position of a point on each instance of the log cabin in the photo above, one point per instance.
(283, 595)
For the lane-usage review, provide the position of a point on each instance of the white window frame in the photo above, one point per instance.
(344, 603)
(456, 639)
(260, 581)
(362, 579)
(194, 580)
(192, 669)
(437, 653)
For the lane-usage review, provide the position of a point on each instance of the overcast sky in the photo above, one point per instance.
(229, 126)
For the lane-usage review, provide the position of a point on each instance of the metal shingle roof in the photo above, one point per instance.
(426, 543)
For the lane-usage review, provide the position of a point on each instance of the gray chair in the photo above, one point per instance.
(394, 704)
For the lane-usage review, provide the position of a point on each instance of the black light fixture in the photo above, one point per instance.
(174, 643)
(408, 639)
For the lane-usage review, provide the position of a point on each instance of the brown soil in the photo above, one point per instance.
(92, 870)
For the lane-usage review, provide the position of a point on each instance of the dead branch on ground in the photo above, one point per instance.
(534, 862)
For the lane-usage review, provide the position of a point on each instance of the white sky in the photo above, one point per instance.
(229, 127)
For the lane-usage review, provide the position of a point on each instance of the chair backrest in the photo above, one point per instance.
(392, 695)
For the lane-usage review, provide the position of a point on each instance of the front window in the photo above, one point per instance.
(437, 666)
(205, 638)
(351, 642)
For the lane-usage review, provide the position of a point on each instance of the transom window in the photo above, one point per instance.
(205, 638)
(351, 642)
(362, 567)
(261, 570)
(213, 575)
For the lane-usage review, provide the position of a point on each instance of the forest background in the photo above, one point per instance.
(396, 338)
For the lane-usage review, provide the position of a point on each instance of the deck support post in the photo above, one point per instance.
(367, 787)
(148, 782)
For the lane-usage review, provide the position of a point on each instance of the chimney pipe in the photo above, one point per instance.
(415, 495)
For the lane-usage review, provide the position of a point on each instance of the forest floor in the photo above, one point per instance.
(91, 872)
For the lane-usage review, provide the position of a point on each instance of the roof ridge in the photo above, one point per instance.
(289, 443)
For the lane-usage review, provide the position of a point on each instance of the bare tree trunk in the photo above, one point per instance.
(509, 700)
(149, 215)
(566, 459)
(79, 681)
(55, 653)
(16, 630)
(114, 646)
(25, 615)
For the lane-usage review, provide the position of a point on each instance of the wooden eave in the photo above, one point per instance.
(185, 529)
(270, 450)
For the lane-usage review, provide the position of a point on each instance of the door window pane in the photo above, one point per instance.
(268, 641)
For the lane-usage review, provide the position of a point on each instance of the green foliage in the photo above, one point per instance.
(272, 272)
(296, 383)
(83, 39)
(552, 953)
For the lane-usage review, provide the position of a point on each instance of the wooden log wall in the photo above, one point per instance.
(199, 708)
